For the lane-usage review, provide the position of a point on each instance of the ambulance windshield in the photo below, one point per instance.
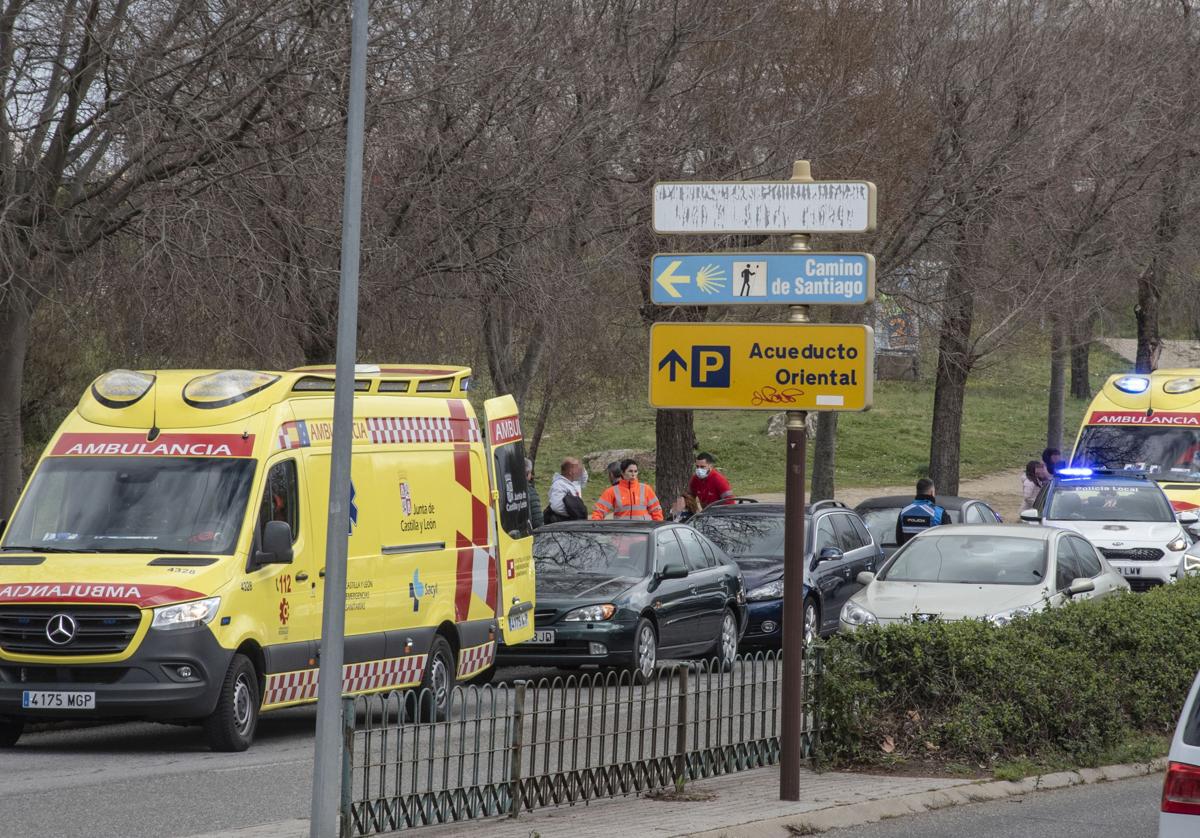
(133, 505)
(1170, 453)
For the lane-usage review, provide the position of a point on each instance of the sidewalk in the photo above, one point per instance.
(745, 805)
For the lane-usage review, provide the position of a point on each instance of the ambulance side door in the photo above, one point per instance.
(510, 512)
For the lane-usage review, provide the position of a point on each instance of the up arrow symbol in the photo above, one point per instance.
(675, 360)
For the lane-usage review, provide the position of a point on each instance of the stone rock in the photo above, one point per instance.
(777, 424)
(597, 461)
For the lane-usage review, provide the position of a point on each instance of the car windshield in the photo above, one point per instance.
(1109, 503)
(969, 560)
(1171, 452)
(608, 554)
(746, 536)
(882, 523)
(133, 505)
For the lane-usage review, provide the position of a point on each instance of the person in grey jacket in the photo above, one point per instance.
(535, 501)
(566, 492)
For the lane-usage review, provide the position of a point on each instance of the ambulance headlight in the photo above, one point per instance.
(1181, 385)
(121, 388)
(1132, 384)
(221, 389)
(186, 614)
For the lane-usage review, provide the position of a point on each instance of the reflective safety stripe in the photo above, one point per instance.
(636, 511)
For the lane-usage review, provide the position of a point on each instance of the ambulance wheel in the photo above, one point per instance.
(437, 684)
(10, 731)
(231, 725)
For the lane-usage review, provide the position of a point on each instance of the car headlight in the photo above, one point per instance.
(1006, 617)
(591, 613)
(855, 615)
(1180, 543)
(771, 590)
(186, 614)
(1191, 563)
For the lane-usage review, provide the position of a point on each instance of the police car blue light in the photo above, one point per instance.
(1075, 472)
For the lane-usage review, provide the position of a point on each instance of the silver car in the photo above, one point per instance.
(990, 571)
(1179, 815)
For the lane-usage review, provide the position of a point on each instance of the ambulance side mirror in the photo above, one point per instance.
(277, 544)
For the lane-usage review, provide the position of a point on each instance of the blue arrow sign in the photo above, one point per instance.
(676, 362)
(761, 278)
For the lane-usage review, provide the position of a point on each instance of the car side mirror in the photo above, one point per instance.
(865, 578)
(276, 543)
(1081, 585)
(1031, 516)
(829, 554)
(673, 571)
(1187, 519)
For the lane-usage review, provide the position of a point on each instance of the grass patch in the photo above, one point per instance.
(1004, 426)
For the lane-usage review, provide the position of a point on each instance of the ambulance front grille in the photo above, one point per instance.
(93, 629)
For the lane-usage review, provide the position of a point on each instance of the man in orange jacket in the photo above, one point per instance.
(628, 499)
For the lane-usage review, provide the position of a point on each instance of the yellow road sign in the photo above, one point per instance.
(761, 366)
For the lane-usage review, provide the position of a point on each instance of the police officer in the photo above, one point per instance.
(921, 514)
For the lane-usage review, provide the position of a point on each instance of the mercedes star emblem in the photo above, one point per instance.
(60, 629)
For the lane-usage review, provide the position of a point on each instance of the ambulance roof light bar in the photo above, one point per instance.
(121, 388)
(1135, 384)
(221, 389)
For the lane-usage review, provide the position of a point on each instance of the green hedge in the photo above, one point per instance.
(1076, 681)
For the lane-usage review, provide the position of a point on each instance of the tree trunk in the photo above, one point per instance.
(1149, 343)
(1152, 279)
(1058, 363)
(15, 318)
(1081, 348)
(953, 366)
(675, 449)
(824, 455)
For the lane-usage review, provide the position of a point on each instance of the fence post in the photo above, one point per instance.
(681, 728)
(518, 740)
(346, 820)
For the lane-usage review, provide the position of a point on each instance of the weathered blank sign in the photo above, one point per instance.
(765, 207)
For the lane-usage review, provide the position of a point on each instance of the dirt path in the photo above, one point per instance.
(1176, 354)
(1002, 490)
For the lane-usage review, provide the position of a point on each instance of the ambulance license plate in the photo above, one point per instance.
(518, 621)
(40, 700)
(1130, 571)
(543, 636)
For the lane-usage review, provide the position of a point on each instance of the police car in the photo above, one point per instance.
(1125, 514)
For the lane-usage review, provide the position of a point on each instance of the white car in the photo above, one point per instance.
(1190, 563)
(1180, 811)
(1127, 517)
(989, 571)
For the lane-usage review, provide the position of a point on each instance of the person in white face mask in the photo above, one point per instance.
(566, 493)
(708, 486)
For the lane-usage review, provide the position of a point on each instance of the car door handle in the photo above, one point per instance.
(302, 576)
(322, 573)
(692, 589)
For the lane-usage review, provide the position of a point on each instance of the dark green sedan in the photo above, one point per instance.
(626, 594)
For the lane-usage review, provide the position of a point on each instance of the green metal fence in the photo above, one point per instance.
(508, 748)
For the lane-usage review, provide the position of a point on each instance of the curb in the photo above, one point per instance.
(857, 814)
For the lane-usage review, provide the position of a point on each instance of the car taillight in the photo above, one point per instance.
(1181, 789)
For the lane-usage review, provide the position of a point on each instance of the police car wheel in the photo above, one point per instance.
(231, 725)
(437, 684)
(10, 731)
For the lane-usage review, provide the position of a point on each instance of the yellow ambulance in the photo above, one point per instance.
(166, 559)
(1149, 423)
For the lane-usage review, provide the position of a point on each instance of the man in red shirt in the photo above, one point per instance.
(708, 486)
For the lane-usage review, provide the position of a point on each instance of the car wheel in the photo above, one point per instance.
(812, 621)
(645, 649)
(727, 640)
(437, 684)
(10, 731)
(230, 727)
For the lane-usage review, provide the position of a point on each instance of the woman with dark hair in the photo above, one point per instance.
(628, 499)
(1035, 478)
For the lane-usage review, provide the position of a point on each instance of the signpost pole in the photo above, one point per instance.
(790, 756)
(327, 773)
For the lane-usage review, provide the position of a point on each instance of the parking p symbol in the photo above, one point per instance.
(710, 366)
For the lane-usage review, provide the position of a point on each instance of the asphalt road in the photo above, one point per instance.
(140, 779)
(1124, 809)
